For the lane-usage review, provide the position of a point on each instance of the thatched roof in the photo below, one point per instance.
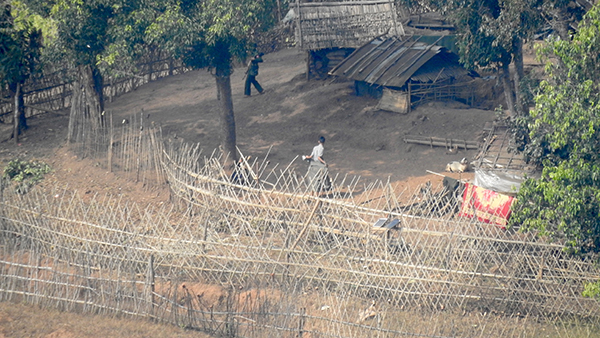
(430, 20)
(347, 24)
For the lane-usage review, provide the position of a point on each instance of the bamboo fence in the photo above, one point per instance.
(52, 92)
(285, 262)
(420, 93)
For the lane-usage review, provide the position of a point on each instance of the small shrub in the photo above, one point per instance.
(25, 173)
(592, 290)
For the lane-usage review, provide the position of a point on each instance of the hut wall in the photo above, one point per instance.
(324, 60)
(325, 25)
(395, 101)
(461, 90)
(363, 88)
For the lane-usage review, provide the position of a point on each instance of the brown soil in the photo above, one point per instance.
(25, 321)
(289, 117)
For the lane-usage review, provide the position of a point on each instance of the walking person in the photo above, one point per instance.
(251, 74)
(318, 174)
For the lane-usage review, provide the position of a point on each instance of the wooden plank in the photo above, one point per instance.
(395, 101)
(349, 4)
(442, 142)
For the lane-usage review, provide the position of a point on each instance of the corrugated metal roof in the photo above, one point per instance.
(391, 62)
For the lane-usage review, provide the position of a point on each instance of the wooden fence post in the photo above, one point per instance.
(301, 322)
(110, 143)
(150, 63)
(409, 103)
(63, 96)
(149, 294)
(308, 63)
(16, 110)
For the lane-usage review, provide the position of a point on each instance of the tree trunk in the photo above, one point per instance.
(228, 136)
(519, 73)
(508, 88)
(87, 103)
(20, 123)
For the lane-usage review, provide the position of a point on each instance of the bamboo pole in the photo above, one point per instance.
(150, 287)
(310, 216)
(110, 141)
(16, 110)
(432, 141)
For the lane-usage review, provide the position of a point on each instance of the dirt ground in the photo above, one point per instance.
(293, 113)
(288, 118)
(27, 321)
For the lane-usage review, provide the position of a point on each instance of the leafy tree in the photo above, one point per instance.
(562, 136)
(516, 24)
(20, 44)
(560, 16)
(477, 25)
(212, 34)
(82, 36)
(491, 33)
(128, 48)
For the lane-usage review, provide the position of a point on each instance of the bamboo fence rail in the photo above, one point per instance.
(287, 262)
(52, 92)
(444, 90)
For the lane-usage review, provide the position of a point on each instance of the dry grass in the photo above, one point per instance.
(20, 320)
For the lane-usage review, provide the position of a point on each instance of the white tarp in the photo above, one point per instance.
(505, 182)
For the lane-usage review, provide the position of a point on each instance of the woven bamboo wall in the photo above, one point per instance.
(345, 24)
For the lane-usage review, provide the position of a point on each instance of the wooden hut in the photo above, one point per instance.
(330, 31)
(403, 71)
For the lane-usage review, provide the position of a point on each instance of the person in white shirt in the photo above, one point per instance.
(317, 153)
(317, 169)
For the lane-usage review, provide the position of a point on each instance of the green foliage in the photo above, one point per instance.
(82, 30)
(20, 44)
(592, 290)
(24, 17)
(91, 32)
(528, 88)
(25, 173)
(474, 38)
(98, 36)
(210, 33)
(562, 136)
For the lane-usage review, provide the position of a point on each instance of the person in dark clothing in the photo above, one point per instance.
(251, 74)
